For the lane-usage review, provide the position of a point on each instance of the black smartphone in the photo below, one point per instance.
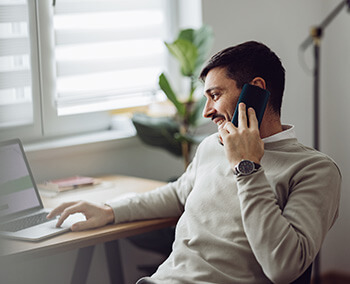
(255, 97)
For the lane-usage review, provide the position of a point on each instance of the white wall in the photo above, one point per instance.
(283, 25)
(127, 156)
(335, 130)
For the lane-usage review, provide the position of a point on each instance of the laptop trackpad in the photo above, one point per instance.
(48, 229)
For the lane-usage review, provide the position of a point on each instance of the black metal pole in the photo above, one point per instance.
(317, 34)
(316, 99)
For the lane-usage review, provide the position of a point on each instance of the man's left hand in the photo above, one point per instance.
(242, 142)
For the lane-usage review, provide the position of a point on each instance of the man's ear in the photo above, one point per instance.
(258, 81)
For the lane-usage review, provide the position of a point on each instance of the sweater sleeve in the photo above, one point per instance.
(286, 240)
(162, 202)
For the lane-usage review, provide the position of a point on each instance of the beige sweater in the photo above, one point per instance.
(264, 227)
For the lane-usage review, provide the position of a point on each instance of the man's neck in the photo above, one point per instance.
(270, 127)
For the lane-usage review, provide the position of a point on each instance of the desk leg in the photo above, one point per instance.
(114, 260)
(82, 265)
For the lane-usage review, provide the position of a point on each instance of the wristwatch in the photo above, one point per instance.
(246, 167)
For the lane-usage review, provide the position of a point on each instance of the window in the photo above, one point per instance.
(108, 53)
(18, 61)
(93, 56)
(98, 55)
(15, 80)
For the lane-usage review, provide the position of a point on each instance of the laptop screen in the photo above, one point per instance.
(17, 190)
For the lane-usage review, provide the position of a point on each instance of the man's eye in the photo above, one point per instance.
(215, 96)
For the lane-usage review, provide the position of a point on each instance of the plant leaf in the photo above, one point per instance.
(186, 53)
(165, 86)
(158, 132)
(203, 39)
(187, 34)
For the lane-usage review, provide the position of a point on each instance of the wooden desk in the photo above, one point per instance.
(111, 187)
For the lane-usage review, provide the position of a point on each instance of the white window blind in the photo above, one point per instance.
(16, 106)
(108, 53)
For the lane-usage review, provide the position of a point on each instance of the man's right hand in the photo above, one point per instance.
(96, 215)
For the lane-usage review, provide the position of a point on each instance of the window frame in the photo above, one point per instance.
(34, 129)
(46, 123)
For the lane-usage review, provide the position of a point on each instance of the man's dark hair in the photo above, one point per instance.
(248, 60)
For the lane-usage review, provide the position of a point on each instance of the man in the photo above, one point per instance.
(260, 226)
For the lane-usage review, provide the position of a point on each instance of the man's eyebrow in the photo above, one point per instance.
(212, 89)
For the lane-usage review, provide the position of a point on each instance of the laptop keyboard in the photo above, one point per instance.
(24, 223)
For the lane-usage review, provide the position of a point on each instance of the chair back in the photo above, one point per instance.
(305, 278)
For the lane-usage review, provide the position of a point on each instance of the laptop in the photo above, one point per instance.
(22, 214)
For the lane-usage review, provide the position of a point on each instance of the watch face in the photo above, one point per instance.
(246, 167)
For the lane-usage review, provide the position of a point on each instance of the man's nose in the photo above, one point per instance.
(208, 110)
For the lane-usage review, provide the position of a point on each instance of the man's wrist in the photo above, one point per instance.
(110, 214)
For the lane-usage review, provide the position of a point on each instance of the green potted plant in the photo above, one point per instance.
(176, 134)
